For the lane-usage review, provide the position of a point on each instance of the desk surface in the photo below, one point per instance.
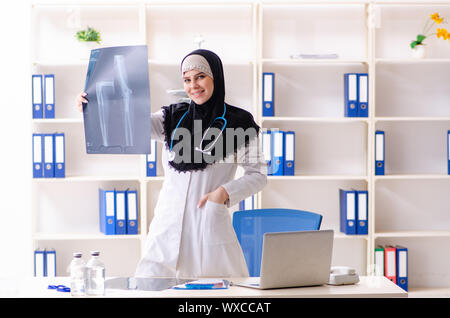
(369, 286)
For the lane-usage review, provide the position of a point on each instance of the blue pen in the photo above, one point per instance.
(199, 286)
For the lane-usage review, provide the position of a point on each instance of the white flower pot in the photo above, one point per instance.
(418, 52)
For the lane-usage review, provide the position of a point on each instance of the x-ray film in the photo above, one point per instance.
(117, 117)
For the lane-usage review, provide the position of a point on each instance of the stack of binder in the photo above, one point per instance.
(356, 93)
(392, 262)
(118, 211)
(44, 263)
(248, 204)
(353, 211)
(279, 152)
(49, 155)
(43, 95)
(151, 160)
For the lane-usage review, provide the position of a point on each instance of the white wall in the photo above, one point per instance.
(15, 136)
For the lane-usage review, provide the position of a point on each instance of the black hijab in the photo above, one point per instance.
(207, 112)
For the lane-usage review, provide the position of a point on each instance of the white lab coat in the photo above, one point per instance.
(186, 241)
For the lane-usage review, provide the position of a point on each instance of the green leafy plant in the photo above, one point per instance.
(89, 35)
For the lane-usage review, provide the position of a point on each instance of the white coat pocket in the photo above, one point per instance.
(218, 228)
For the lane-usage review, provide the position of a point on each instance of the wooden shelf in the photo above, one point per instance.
(404, 234)
(310, 178)
(81, 236)
(317, 119)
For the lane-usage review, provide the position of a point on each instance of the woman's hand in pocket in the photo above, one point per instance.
(220, 195)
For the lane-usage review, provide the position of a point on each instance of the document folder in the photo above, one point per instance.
(268, 94)
(347, 201)
(362, 209)
(39, 263)
(38, 156)
(121, 226)
(289, 157)
(50, 261)
(60, 158)
(37, 89)
(379, 261)
(132, 212)
(49, 95)
(278, 153)
(151, 160)
(402, 267)
(49, 169)
(448, 151)
(379, 152)
(390, 263)
(363, 95)
(351, 94)
(267, 150)
(107, 200)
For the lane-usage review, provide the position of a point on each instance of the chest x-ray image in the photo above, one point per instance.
(117, 117)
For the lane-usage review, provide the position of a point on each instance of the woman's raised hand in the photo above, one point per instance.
(81, 100)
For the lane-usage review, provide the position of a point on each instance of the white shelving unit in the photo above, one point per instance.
(408, 99)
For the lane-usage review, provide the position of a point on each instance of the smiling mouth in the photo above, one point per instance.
(197, 94)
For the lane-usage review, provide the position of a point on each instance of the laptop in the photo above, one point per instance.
(294, 259)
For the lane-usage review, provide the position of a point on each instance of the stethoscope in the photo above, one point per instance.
(198, 148)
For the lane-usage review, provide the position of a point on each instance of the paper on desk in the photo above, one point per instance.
(204, 284)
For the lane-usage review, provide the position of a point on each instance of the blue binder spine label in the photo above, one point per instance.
(36, 83)
(448, 151)
(351, 94)
(278, 153)
(402, 267)
(268, 94)
(49, 171)
(38, 171)
(49, 95)
(60, 164)
(289, 166)
(347, 201)
(267, 150)
(132, 212)
(362, 212)
(120, 213)
(379, 152)
(151, 160)
(363, 95)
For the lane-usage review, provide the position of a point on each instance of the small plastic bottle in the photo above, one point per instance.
(77, 275)
(95, 282)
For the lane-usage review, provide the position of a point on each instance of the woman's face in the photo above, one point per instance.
(198, 86)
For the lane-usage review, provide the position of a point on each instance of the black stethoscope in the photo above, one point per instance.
(199, 147)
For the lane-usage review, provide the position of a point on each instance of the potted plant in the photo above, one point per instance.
(417, 46)
(89, 35)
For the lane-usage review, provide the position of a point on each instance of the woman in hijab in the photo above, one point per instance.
(191, 234)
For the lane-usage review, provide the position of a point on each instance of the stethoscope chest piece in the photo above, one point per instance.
(171, 155)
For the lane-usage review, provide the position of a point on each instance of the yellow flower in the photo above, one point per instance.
(435, 17)
(442, 32)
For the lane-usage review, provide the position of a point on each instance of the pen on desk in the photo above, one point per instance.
(199, 286)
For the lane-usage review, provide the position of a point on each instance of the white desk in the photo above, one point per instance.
(371, 286)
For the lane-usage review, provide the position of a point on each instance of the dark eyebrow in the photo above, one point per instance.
(199, 73)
